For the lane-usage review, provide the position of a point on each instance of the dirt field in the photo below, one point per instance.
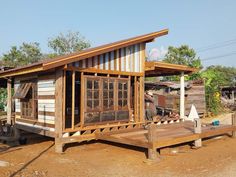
(217, 157)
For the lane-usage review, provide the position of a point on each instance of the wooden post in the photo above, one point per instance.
(130, 116)
(141, 93)
(59, 110)
(73, 101)
(198, 130)
(82, 92)
(152, 152)
(64, 101)
(135, 99)
(182, 90)
(234, 124)
(9, 101)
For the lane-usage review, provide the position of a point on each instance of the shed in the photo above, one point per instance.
(73, 97)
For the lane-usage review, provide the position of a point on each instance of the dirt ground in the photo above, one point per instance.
(217, 158)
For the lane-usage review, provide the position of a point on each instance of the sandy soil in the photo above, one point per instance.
(217, 158)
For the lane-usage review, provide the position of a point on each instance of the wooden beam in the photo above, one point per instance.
(35, 122)
(104, 71)
(9, 101)
(35, 130)
(73, 100)
(116, 124)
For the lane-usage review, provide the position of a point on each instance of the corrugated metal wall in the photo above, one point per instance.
(127, 59)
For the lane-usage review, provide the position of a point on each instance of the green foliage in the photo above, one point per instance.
(3, 98)
(68, 43)
(226, 74)
(213, 80)
(27, 53)
(215, 77)
(183, 55)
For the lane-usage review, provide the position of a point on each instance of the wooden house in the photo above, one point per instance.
(74, 97)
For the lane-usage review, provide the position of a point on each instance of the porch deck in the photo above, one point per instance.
(165, 135)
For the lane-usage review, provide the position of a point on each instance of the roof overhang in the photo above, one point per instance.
(65, 59)
(155, 69)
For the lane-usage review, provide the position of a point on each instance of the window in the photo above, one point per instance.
(27, 93)
(22, 91)
(92, 95)
(106, 99)
(108, 94)
(122, 95)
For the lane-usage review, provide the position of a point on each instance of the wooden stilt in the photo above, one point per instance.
(152, 152)
(197, 129)
(59, 147)
(234, 124)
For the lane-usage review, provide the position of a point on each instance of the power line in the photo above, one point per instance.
(219, 56)
(227, 42)
(215, 47)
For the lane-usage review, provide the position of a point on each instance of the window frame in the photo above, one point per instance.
(101, 110)
(32, 101)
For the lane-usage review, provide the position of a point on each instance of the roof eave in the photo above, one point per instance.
(21, 71)
(153, 69)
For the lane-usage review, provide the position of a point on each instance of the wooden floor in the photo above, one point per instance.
(165, 135)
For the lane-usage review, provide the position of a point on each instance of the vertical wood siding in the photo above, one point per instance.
(128, 59)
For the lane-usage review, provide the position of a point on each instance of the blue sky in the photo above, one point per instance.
(196, 23)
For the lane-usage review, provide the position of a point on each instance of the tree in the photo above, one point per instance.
(216, 77)
(68, 43)
(227, 74)
(213, 81)
(27, 53)
(183, 55)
